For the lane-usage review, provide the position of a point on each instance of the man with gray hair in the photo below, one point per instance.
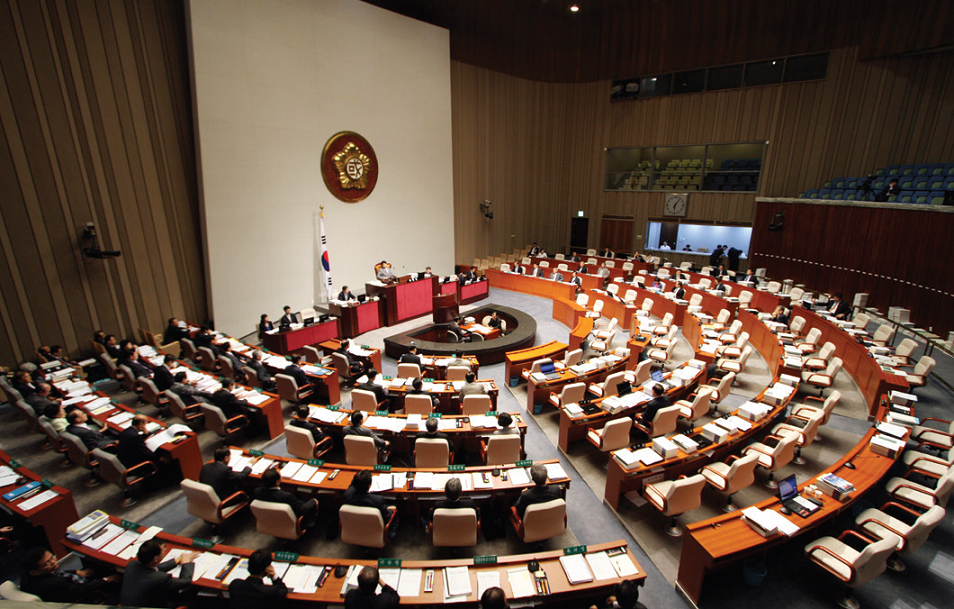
(540, 493)
(364, 597)
(264, 378)
(453, 490)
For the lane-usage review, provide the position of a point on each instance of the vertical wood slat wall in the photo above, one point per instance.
(95, 108)
(537, 150)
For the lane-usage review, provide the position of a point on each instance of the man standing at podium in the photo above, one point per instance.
(385, 274)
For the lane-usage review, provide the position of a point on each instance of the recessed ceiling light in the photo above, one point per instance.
(574, 8)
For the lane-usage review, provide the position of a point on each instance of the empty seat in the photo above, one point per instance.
(774, 453)
(675, 497)
(732, 476)
(614, 435)
(853, 567)
(202, 502)
(129, 479)
(912, 531)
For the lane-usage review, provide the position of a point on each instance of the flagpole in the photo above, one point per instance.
(324, 260)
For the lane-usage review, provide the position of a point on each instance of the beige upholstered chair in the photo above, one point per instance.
(215, 420)
(570, 394)
(457, 373)
(664, 422)
(939, 436)
(697, 408)
(126, 377)
(454, 528)
(360, 450)
(341, 366)
(129, 479)
(722, 389)
(597, 310)
(828, 405)
(664, 326)
(732, 476)
(904, 350)
(809, 344)
(501, 449)
(922, 496)
(300, 443)
(364, 526)
(614, 435)
(774, 453)
(432, 453)
(911, 534)
(188, 350)
(736, 365)
(921, 372)
(883, 335)
(202, 502)
(289, 390)
(824, 380)
(476, 404)
(11, 592)
(418, 403)
(608, 387)
(821, 359)
(277, 520)
(225, 368)
(643, 373)
(723, 317)
(773, 287)
(928, 464)
(745, 299)
(795, 325)
(207, 359)
(573, 357)
(541, 521)
(675, 497)
(535, 366)
(151, 395)
(362, 399)
(806, 430)
(853, 567)
(409, 371)
(179, 409)
(77, 452)
(732, 333)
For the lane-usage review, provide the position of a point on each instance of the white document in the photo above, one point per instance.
(518, 476)
(261, 465)
(304, 473)
(40, 499)
(555, 471)
(290, 469)
(410, 583)
(487, 579)
(424, 480)
(103, 536)
(120, 543)
(237, 464)
(576, 569)
(381, 483)
(391, 577)
(318, 477)
(624, 565)
(457, 581)
(601, 566)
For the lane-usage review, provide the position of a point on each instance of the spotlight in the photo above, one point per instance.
(574, 8)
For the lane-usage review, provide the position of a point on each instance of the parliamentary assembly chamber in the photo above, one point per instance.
(594, 303)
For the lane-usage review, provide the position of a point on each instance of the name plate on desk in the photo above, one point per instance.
(333, 408)
(47, 483)
(489, 559)
(389, 563)
(202, 543)
(382, 468)
(287, 556)
(381, 413)
(316, 462)
(256, 453)
(456, 468)
(14, 463)
(574, 550)
(524, 463)
(129, 524)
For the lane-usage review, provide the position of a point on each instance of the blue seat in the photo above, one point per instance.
(906, 184)
(936, 169)
(935, 183)
(838, 194)
(948, 170)
(892, 198)
(879, 183)
(908, 170)
(936, 197)
(906, 196)
(811, 193)
(920, 183)
(732, 178)
(740, 164)
(881, 172)
(839, 182)
(949, 184)
(755, 163)
(718, 179)
(921, 197)
(824, 193)
(892, 170)
(921, 170)
(745, 179)
(727, 164)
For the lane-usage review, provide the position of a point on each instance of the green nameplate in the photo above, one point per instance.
(128, 524)
(491, 413)
(366, 347)
(574, 550)
(202, 543)
(46, 483)
(264, 350)
(381, 413)
(256, 453)
(388, 378)
(524, 463)
(427, 380)
(14, 463)
(333, 408)
(389, 563)
(258, 389)
(316, 462)
(287, 556)
(489, 559)
(456, 468)
(382, 468)
(436, 415)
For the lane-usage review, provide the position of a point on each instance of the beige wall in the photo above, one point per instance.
(537, 149)
(95, 113)
(275, 80)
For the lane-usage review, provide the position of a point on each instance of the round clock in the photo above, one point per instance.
(676, 204)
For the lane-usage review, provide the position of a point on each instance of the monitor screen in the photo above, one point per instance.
(787, 488)
(657, 376)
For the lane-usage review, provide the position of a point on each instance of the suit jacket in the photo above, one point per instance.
(38, 402)
(557, 276)
(474, 388)
(534, 251)
(137, 368)
(841, 309)
(145, 587)
(388, 599)
(353, 496)
(113, 351)
(385, 273)
(189, 394)
(133, 451)
(447, 504)
(753, 279)
(316, 433)
(222, 479)
(89, 437)
(348, 296)
(537, 494)
(380, 393)
(230, 405)
(538, 272)
(652, 407)
(519, 269)
(719, 287)
(288, 319)
(162, 378)
(607, 254)
(174, 333)
(57, 587)
(680, 293)
(237, 366)
(254, 593)
(494, 323)
(259, 369)
(298, 374)
(360, 430)
(411, 358)
(277, 495)
(576, 281)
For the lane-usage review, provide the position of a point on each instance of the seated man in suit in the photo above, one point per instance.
(385, 274)
(380, 393)
(112, 347)
(556, 276)
(294, 370)
(838, 308)
(494, 321)
(270, 491)
(720, 272)
(582, 269)
(575, 280)
(411, 357)
(417, 388)
(132, 444)
(539, 493)
(358, 494)
(575, 257)
(458, 360)
(354, 365)
(43, 577)
(428, 272)
(187, 391)
(174, 332)
(751, 277)
(365, 596)
(357, 429)
(220, 476)
(519, 269)
(607, 253)
(301, 421)
(252, 592)
(467, 275)
(454, 326)
(261, 373)
(204, 338)
(78, 425)
(288, 318)
(471, 387)
(238, 368)
(780, 315)
(660, 400)
(719, 286)
(678, 291)
(534, 250)
(135, 364)
(431, 426)
(41, 398)
(228, 403)
(345, 294)
(537, 271)
(162, 375)
(24, 384)
(147, 582)
(602, 272)
(452, 491)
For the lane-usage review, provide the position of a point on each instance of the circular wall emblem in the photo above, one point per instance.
(349, 167)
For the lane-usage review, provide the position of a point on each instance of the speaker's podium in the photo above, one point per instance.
(446, 307)
(404, 299)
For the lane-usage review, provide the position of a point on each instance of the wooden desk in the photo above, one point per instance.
(614, 307)
(330, 593)
(293, 340)
(472, 292)
(538, 392)
(661, 306)
(567, 312)
(761, 299)
(518, 361)
(711, 305)
(581, 331)
(406, 299)
(373, 359)
(52, 516)
(325, 385)
(721, 541)
(535, 286)
(357, 318)
(448, 398)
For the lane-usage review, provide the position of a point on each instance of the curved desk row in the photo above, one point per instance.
(593, 371)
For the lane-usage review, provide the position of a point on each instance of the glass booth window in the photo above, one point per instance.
(713, 167)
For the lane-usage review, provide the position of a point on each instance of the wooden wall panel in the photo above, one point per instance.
(897, 256)
(96, 113)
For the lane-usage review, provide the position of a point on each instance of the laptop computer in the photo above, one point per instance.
(657, 376)
(792, 501)
(624, 388)
(548, 370)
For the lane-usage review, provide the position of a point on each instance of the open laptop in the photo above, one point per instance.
(791, 500)
(549, 371)
(657, 376)
(624, 388)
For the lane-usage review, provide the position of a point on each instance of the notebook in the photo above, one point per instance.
(791, 500)
(657, 376)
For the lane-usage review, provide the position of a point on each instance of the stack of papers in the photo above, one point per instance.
(457, 582)
(521, 583)
(519, 476)
(576, 568)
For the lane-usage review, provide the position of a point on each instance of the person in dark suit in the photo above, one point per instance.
(302, 422)
(264, 325)
(582, 269)
(679, 291)
(294, 370)
(252, 592)
(659, 401)
(357, 429)
(174, 332)
(607, 253)
(720, 271)
(556, 276)
(24, 384)
(162, 375)
(892, 189)
(494, 321)
(750, 276)
(537, 271)
(238, 368)
(135, 365)
(230, 405)
(78, 426)
(575, 257)
(719, 286)
(354, 365)
(733, 255)
(431, 433)
(188, 392)
(147, 582)
(534, 250)
(41, 398)
(411, 357)
(270, 491)
(780, 315)
(838, 308)
(468, 275)
(453, 501)
(462, 334)
(417, 388)
(519, 269)
(204, 338)
(288, 318)
(43, 577)
(539, 493)
(364, 597)
(217, 474)
(112, 347)
(132, 444)
(358, 494)
(575, 280)
(264, 378)
(380, 393)
(345, 294)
